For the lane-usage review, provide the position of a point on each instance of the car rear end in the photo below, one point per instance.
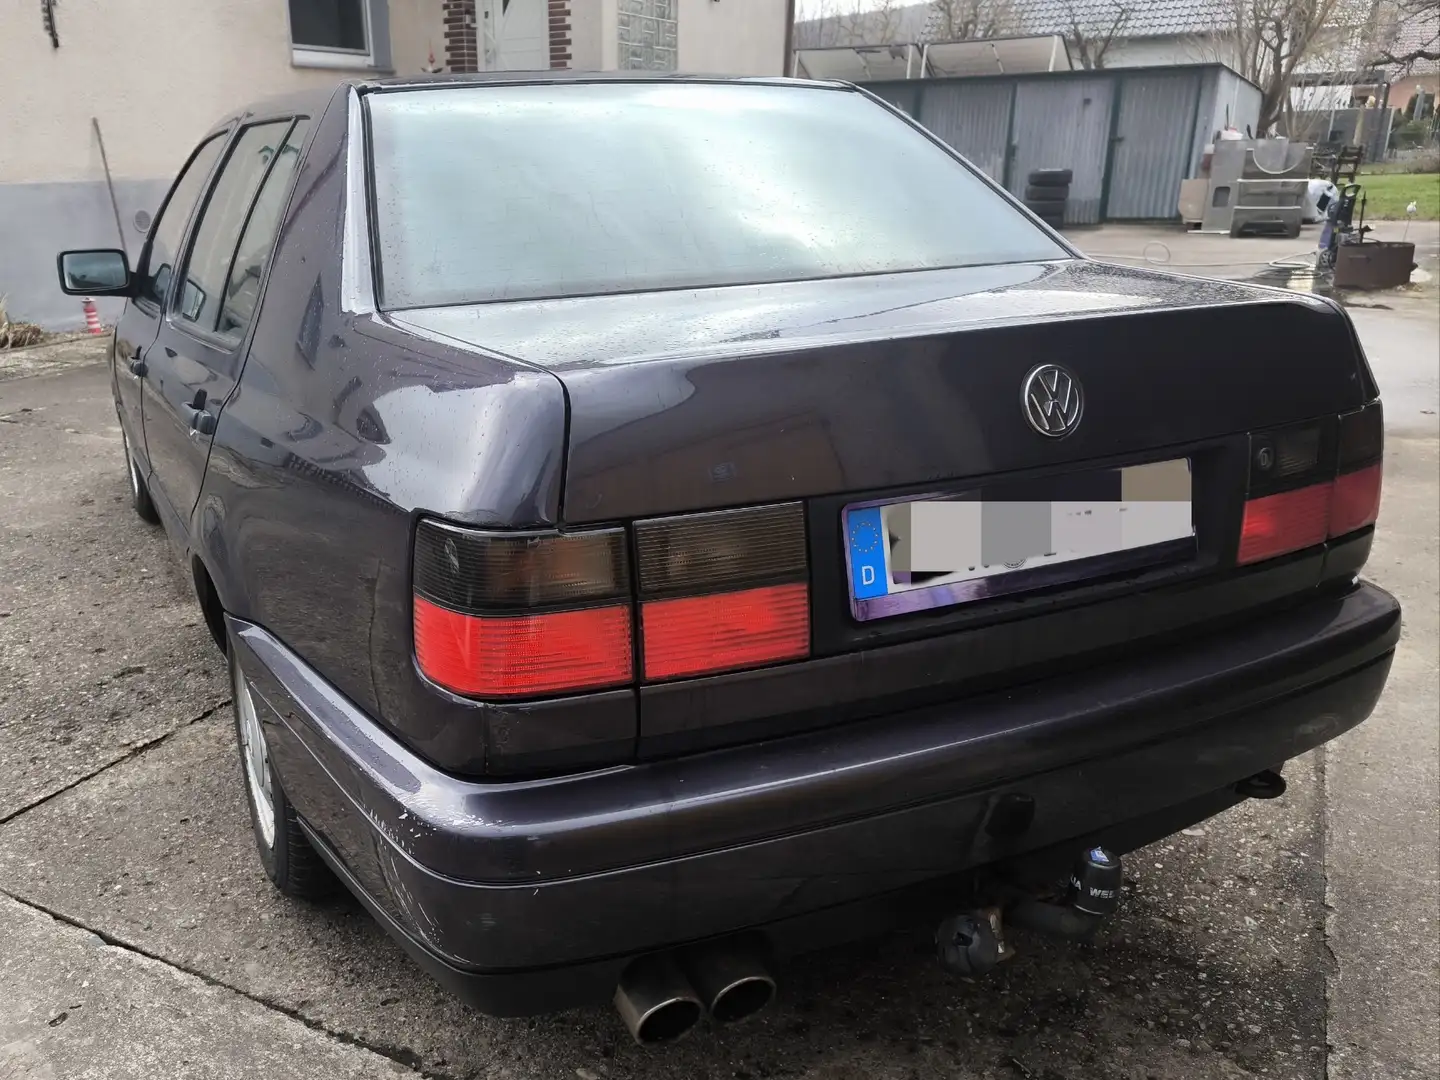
(890, 559)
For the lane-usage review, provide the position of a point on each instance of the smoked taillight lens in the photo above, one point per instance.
(1329, 476)
(510, 615)
(1356, 501)
(1357, 487)
(723, 591)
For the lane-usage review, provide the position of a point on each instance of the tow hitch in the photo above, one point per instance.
(973, 942)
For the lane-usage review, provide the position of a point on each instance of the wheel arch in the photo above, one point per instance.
(210, 604)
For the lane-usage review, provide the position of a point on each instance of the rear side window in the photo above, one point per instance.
(207, 269)
(242, 290)
(490, 193)
(169, 228)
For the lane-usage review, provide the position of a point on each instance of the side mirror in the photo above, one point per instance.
(103, 272)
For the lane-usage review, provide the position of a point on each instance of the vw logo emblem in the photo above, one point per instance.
(1052, 400)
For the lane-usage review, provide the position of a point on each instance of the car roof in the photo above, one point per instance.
(314, 102)
(565, 75)
(304, 102)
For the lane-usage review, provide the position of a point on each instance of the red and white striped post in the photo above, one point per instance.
(92, 317)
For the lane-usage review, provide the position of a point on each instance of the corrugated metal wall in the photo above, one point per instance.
(1154, 127)
(901, 95)
(1063, 124)
(974, 118)
(1008, 126)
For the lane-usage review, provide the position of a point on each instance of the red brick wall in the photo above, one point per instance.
(461, 48)
(560, 33)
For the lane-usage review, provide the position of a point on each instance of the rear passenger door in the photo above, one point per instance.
(140, 323)
(198, 353)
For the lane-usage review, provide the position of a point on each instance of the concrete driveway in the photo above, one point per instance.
(139, 938)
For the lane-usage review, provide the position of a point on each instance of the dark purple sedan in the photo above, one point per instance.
(659, 526)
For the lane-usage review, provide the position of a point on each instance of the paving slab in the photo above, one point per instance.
(102, 648)
(73, 1007)
(1217, 964)
(1185, 251)
(1383, 811)
(71, 350)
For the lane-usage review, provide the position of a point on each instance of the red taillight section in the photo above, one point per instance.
(501, 615)
(1321, 504)
(723, 590)
(1356, 500)
(510, 656)
(724, 631)
(1278, 524)
(512, 614)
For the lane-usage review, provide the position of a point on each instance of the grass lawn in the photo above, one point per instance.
(1387, 195)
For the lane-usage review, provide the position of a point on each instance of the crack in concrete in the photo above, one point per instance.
(397, 1054)
(133, 752)
(1332, 963)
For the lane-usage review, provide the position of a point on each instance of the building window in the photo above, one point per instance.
(648, 35)
(340, 33)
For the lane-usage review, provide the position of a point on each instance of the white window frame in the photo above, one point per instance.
(375, 57)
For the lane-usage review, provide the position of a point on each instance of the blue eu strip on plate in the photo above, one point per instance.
(867, 553)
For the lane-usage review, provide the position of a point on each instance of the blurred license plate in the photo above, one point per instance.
(948, 549)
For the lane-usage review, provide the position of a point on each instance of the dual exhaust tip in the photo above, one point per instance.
(662, 997)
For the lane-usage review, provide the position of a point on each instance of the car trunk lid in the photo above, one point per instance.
(698, 399)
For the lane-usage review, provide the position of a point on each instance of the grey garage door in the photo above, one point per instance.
(1152, 144)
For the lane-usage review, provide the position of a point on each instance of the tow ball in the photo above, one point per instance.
(973, 942)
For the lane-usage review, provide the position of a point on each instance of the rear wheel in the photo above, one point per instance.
(290, 862)
(139, 493)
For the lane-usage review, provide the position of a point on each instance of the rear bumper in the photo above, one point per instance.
(530, 895)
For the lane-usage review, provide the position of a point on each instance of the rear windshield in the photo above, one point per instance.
(522, 192)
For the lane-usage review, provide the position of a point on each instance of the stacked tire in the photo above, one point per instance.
(1046, 193)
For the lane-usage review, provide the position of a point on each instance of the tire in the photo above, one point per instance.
(1055, 221)
(139, 492)
(1040, 191)
(290, 863)
(1047, 207)
(1050, 178)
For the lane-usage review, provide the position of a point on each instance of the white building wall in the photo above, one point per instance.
(732, 37)
(588, 22)
(155, 73)
(728, 37)
(1165, 51)
(521, 38)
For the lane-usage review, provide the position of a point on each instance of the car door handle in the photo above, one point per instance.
(201, 422)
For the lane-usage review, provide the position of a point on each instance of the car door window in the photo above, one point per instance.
(207, 267)
(242, 289)
(168, 229)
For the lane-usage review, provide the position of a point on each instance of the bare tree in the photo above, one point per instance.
(850, 22)
(966, 20)
(1267, 41)
(1090, 38)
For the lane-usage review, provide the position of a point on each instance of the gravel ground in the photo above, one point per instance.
(1280, 940)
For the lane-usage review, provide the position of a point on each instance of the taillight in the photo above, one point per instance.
(507, 615)
(1357, 487)
(1290, 521)
(723, 590)
(1312, 482)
